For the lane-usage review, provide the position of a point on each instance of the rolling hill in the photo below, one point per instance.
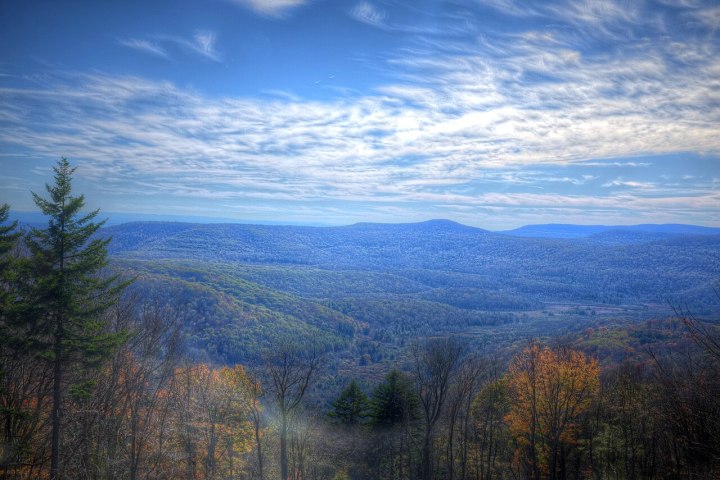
(365, 287)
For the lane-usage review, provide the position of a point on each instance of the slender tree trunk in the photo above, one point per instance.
(57, 367)
(210, 466)
(133, 445)
(533, 426)
(465, 440)
(427, 455)
(283, 448)
(259, 447)
(553, 460)
(450, 451)
(400, 455)
(57, 400)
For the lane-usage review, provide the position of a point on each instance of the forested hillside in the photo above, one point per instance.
(381, 285)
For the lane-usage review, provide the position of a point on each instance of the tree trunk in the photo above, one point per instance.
(133, 445)
(57, 400)
(427, 456)
(259, 448)
(283, 448)
(450, 451)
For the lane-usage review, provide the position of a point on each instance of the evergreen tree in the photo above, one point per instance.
(68, 295)
(8, 237)
(351, 407)
(10, 416)
(8, 240)
(393, 417)
(393, 401)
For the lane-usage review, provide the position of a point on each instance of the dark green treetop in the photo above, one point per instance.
(8, 237)
(394, 401)
(8, 240)
(351, 406)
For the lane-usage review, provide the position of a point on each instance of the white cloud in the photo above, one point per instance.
(367, 13)
(619, 182)
(710, 17)
(271, 8)
(458, 114)
(615, 164)
(202, 43)
(592, 18)
(144, 46)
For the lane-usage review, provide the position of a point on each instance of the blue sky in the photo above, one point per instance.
(493, 113)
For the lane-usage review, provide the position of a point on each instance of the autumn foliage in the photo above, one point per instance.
(551, 390)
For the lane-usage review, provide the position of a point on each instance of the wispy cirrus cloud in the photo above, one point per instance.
(366, 12)
(527, 122)
(204, 44)
(619, 182)
(169, 141)
(145, 46)
(201, 43)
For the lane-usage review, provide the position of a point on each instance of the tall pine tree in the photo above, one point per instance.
(68, 293)
(8, 238)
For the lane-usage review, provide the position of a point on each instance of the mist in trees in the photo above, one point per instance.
(290, 371)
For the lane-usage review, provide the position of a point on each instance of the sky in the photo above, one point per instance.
(492, 113)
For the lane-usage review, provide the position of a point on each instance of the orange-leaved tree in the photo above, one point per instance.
(550, 389)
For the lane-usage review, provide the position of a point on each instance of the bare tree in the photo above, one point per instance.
(704, 334)
(147, 367)
(290, 372)
(469, 379)
(435, 365)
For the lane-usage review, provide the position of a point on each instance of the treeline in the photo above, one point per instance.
(96, 383)
(551, 414)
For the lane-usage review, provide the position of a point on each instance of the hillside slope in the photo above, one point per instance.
(388, 282)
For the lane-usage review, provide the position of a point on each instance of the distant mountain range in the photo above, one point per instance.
(368, 284)
(550, 230)
(440, 243)
(639, 232)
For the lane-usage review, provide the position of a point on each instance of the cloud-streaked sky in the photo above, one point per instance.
(493, 113)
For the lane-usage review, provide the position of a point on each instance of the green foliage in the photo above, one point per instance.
(81, 390)
(489, 271)
(65, 293)
(351, 406)
(8, 237)
(8, 240)
(362, 292)
(54, 298)
(394, 401)
(233, 319)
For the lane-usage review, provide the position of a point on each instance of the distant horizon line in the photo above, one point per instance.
(119, 218)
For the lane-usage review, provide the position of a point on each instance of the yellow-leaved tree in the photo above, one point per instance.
(550, 390)
(212, 431)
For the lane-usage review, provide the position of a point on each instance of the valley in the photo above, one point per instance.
(365, 291)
